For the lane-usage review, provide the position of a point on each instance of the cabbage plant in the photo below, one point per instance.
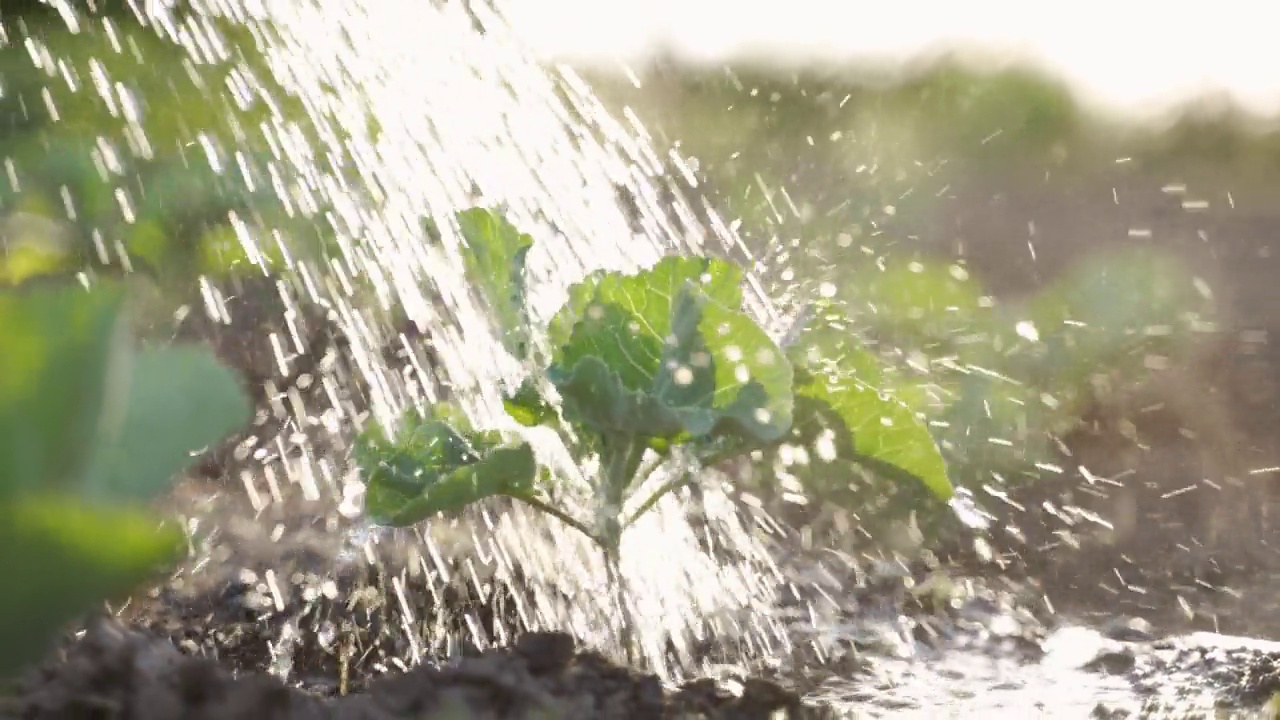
(90, 429)
(636, 370)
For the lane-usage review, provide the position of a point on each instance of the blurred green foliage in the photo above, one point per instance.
(999, 383)
(122, 150)
(935, 159)
(90, 428)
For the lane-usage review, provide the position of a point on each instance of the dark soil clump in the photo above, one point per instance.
(121, 674)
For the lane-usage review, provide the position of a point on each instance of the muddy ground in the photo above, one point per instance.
(115, 672)
(275, 617)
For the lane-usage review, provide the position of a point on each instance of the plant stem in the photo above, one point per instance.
(646, 469)
(562, 516)
(622, 455)
(610, 541)
(658, 494)
(618, 584)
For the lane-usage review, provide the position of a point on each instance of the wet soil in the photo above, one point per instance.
(279, 614)
(115, 672)
(290, 611)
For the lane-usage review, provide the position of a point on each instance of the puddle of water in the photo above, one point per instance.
(963, 684)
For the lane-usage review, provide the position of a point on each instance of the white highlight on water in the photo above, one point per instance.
(461, 118)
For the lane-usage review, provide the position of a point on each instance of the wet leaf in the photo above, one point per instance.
(594, 394)
(222, 255)
(647, 295)
(658, 354)
(55, 171)
(829, 338)
(871, 428)
(180, 400)
(34, 244)
(186, 194)
(494, 256)
(528, 407)
(24, 262)
(61, 557)
(61, 345)
(434, 466)
(147, 241)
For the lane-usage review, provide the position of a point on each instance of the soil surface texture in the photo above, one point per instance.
(115, 672)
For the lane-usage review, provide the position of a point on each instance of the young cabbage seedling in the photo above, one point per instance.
(658, 363)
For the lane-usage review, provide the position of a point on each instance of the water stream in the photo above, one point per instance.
(462, 117)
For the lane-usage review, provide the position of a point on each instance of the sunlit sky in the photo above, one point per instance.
(1134, 56)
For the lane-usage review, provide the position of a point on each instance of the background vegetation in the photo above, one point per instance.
(1033, 268)
(1025, 266)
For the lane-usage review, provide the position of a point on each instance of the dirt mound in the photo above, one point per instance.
(118, 673)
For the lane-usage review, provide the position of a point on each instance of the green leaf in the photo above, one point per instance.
(60, 557)
(220, 254)
(647, 295)
(437, 466)
(829, 339)
(723, 361)
(54, 170)
(25, 262)
(180, 400)
(147, 241)
(190, 196)
(60, 347)
(826, 345)
(657, 354)
(528, 406)
(494, 254)
(868, 427)
(594, 394)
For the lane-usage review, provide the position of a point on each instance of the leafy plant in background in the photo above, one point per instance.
(190, 221)
(658, 368)
(172, 188)
(90, 428)
(997, 382)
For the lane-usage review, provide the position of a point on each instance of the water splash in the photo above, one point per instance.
(398, 126)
